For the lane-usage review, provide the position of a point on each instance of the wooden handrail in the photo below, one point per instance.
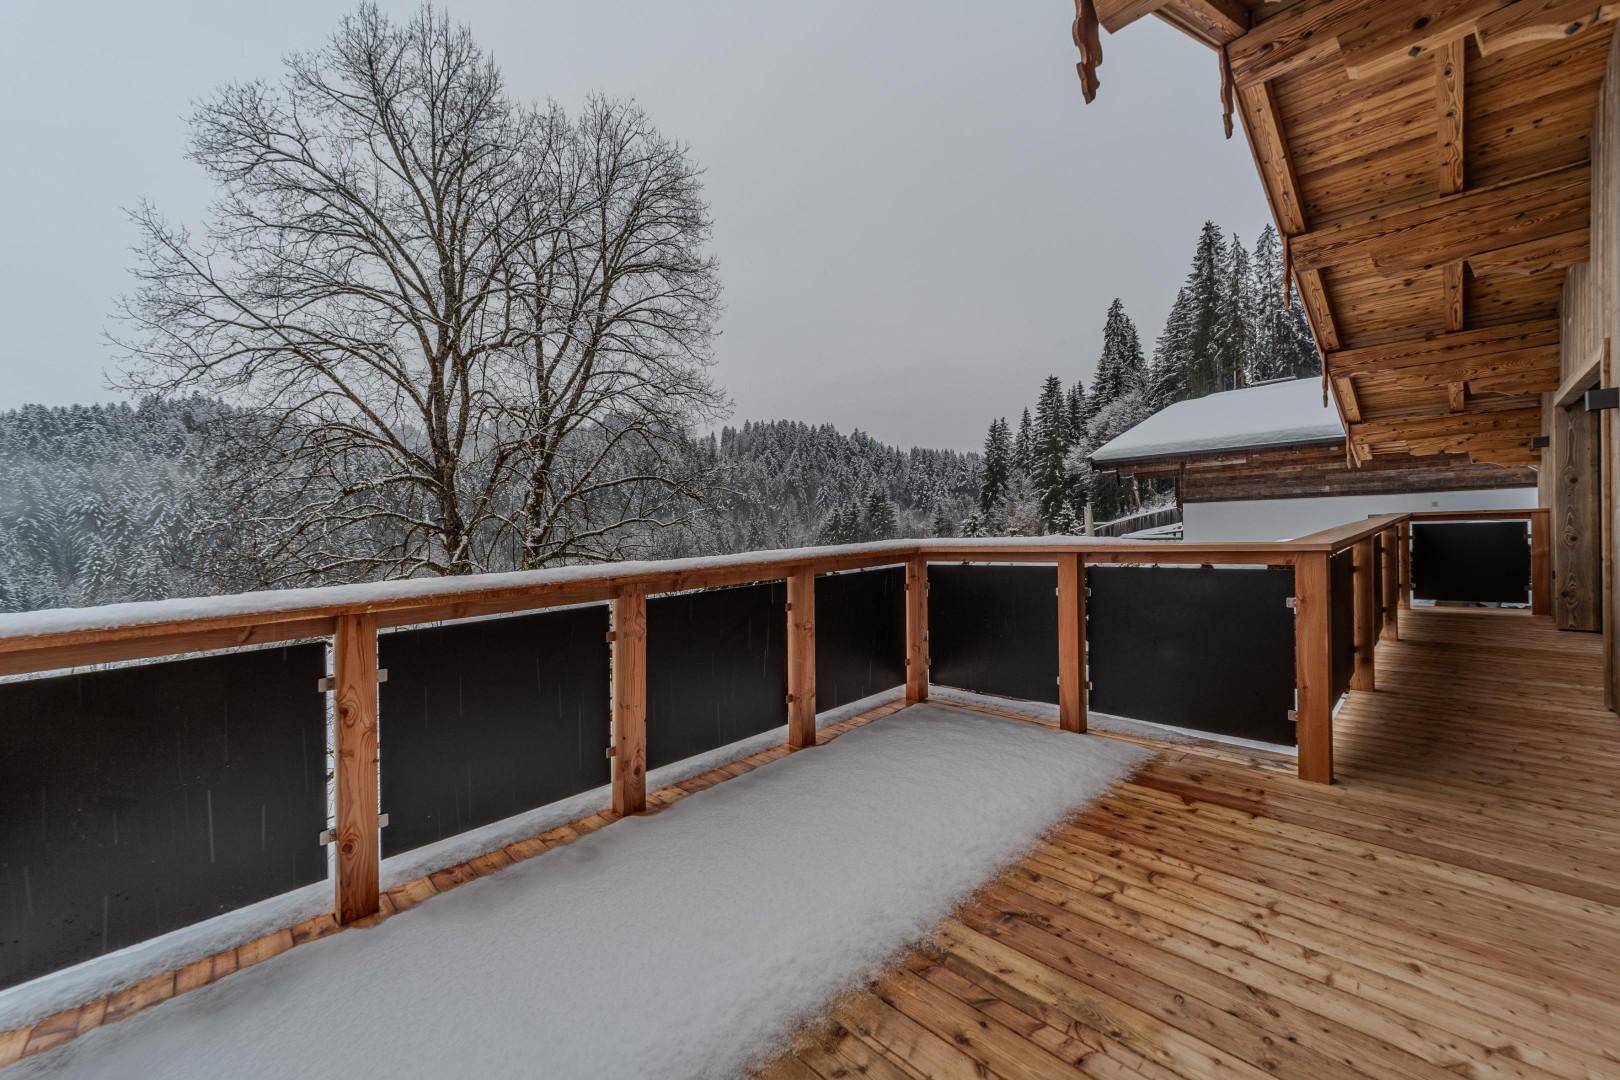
(352, 616)
(73, 637)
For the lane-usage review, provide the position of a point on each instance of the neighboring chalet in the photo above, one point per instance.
(1269, 462)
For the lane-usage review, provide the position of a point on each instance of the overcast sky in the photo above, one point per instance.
(917, 218)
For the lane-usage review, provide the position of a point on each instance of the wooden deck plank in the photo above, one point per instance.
(1451, 907)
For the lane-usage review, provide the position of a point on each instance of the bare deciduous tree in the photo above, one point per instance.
(466, 333)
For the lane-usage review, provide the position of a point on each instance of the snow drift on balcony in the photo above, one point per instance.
(1272, 414)
(682, 944)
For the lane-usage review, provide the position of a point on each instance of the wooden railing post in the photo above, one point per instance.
(1313, 666)
(629, 775)
(916, 629)
(1071, 602)
(1388, 541)
(801, 666)
(1366, 608)
(1404, 554)
(1541, 583)
(354, 825)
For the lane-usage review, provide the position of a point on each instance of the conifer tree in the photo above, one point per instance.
(1077, 406)
(1283, 346)
(1023, 445)
(997, 470)
(1234, 336)
(1119, 368)
(879, 522)
(1051, 448)
(1185, 355)
(943, 525)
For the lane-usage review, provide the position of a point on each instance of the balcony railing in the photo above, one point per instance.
(204, 780)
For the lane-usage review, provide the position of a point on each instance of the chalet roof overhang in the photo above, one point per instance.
(1428, 165)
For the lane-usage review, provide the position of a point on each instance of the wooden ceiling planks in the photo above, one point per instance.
(1428, 163)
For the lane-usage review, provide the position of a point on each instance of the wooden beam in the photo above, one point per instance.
(1587, 375)
(1390, 35)
(1389, 576)
(1313, 293)
(1313, 665)
(1116, 15)
(1214, 22)
(1403, 558)
(1450, 83)
(1454, 288)
(1458, 395)
(1263, 125)
(1345, 391)
(1547, 254)
(1541, 564)
(1452, 227)
(629, 776)
(1299, 37)
(916, 629)
(1574, 467)
(801, 667)
(1366, 616)
(1071, 605)
(354, 786)
(1537, 336)
(1491, 435)
(1530, 21)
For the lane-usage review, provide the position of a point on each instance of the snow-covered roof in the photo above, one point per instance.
(1272, 414)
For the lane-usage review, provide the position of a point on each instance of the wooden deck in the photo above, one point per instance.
(1450, 908)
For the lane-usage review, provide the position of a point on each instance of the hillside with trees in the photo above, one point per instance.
(108, 503)
(1230, 326)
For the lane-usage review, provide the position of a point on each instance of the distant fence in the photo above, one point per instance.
(148, 796)
(1140, 522)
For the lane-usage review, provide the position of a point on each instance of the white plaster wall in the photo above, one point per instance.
(1285, 519)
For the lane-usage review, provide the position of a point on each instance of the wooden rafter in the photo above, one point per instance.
(1550, 253)
(1116, 15)
(1372, 37)
(1453, 227)
(1531, 21)
(1214, 22)
(1539, 335)
(1450, 81)
(1398, 246)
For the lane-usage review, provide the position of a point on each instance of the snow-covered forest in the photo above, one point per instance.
(163, 497)
(1231, 326)
(485, 342)
(106, 503)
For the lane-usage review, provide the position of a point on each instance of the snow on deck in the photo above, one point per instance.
(686, 943)
(1272, 414)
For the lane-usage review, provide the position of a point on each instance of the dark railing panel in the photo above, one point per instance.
(716, 669)
(1472, 561)
(1342, 582)
(1202, 648)
(993, 630)
(138, 800)
(860, 635)
(482, 720)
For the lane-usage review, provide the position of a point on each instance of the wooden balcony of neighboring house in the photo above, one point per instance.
(1425, 884)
